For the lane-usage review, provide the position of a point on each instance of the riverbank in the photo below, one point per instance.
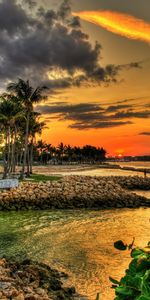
(71, 192)
(29, 280)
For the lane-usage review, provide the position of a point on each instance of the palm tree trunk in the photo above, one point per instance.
(31, 156)
(26, 144)
(17, 158)
(21, 157)
(14, 152)
(5, 157)
(9, 151)
(28, 161)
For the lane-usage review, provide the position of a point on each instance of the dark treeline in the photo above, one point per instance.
(46, 153)
(19, 125)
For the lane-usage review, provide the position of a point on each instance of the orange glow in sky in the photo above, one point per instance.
(120, 155)
(119, 23)
(132, 88)
(120, 152)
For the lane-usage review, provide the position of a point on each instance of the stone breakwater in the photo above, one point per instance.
(30, 280)
(133, 182)
(75, 192)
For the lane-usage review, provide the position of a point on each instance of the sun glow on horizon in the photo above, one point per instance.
(119, 153)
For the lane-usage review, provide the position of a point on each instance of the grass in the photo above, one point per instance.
(41, 177)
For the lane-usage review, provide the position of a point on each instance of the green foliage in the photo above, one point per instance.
(44, 178)
(98, 297)
(135, 285)
(121, 246)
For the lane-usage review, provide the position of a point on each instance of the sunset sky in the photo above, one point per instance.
(89, 102)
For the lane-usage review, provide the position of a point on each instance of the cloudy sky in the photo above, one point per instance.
(94, 55)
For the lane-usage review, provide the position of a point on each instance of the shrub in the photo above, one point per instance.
(135, 285)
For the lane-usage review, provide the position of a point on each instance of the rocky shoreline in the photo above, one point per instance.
(133, 182)
(77, 192)
(29, 280)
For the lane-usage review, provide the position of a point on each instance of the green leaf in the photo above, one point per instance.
(124, 291)
(113, 280)
(114, 286)
(135, 285)
(143, 298)
(143, 264)
(134, 282)
(131, 245)
(136, 252)
(120, 245)
(98, 296)
(146, 284)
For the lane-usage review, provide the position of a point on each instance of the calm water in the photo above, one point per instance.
(112, 172)
(135, 164)
(77, 242)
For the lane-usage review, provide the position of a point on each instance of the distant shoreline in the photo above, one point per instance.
(76, 169)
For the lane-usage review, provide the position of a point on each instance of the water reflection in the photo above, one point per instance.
(103, 172)
(77, 242)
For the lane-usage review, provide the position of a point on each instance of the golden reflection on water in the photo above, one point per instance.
(83, 247)
(102, 172)
(78, 242)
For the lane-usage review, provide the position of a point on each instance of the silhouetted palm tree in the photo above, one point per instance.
(10, 113)
(28, 96)
(61, 151)
(35, 127)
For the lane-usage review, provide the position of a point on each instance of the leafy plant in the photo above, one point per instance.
(135, 285)
(98, 296)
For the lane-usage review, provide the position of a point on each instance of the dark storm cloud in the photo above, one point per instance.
(147, 105)
(34, 43)
(97, 125)
(145, 133)
(68, 109)
(30, 3)
(113, 108)
(75, 22)
(13, 18)
(90, 115)
(64, 10)
(132, 114)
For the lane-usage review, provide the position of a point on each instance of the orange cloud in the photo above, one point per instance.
(119, 23)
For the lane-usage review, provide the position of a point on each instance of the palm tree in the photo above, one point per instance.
(35, 127)
(28, 96)
(69, 151)
(9, 114)
(61, 151)
(41, 147)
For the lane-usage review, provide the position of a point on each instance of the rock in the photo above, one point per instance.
(4, 285)
(2, 262)
(76, 192)
(32, 281)
(31, 297)
(19, 297)
(40, 292)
